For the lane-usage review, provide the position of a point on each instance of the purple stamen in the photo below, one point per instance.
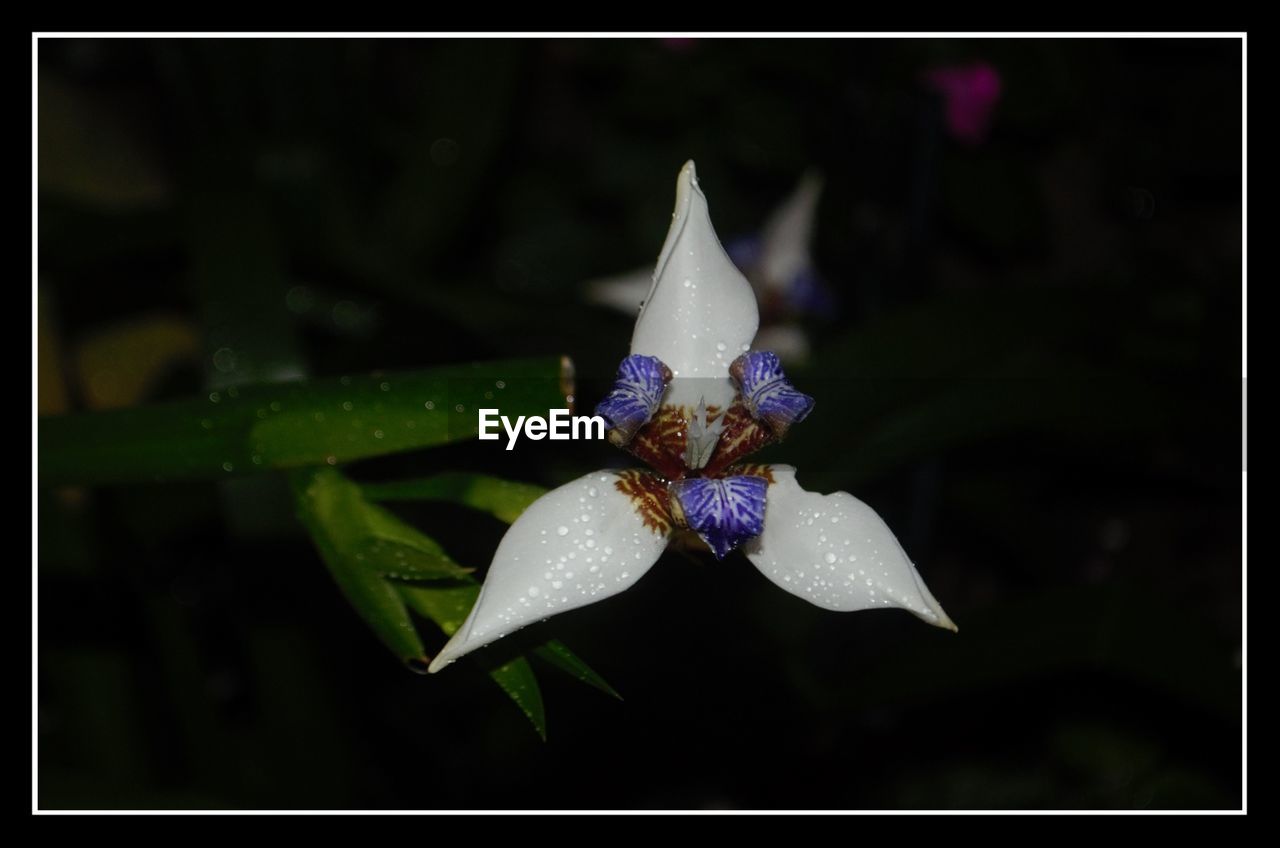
(635, 397)
(767, 392)
(724, 512)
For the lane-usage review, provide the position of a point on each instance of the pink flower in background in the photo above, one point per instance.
(971, 93)
(679, 45)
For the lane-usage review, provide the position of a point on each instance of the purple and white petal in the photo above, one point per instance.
(835, 552)
(701, 311)
(725, 512)
(575, 545)
(635, 396)
(768, 393)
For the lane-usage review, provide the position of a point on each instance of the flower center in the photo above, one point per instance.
(695, 452)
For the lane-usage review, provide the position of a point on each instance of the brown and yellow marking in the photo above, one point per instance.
(648, 493)
(742, 436)
(751, 469)
(662, 442)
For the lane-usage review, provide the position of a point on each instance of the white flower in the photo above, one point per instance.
(692, 400)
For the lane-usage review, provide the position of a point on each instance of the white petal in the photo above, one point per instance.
(788, 234)
(835, 552)
(701, 312)
(575, 545)
(623, 292)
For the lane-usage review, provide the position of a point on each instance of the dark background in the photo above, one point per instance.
(1032, 371)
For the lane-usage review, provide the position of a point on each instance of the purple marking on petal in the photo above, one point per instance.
(745, 251)
(724, 512)
(767, 392)
(809, 294)
(635, 395)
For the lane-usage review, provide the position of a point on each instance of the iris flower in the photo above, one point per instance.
(693, 400)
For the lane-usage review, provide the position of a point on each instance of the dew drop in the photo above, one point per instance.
(562, 530)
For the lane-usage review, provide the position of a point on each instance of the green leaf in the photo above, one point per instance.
(504, 499)
(325, 500)
(517, 680)
(255, 428)
(364, 545)
(448, 606)
(398, 550)
(373, 538)
(559, 656)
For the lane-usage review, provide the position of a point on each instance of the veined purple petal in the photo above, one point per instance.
(767, 392)
(724, 512)
(636, 395)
